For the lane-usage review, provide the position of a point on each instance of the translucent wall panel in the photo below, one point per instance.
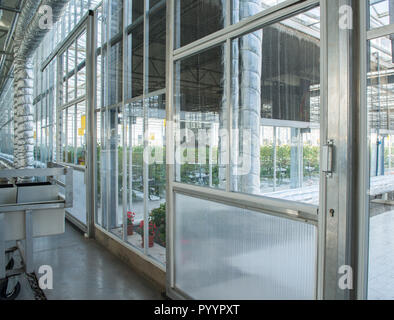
(276, 110)
(223, 252)
(201, 119)
(78, 210)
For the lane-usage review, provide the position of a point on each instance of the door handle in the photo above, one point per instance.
(327, 158)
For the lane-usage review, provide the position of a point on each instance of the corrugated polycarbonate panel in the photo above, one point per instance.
(222, 252)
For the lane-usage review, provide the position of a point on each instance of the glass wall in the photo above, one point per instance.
(72, 142)
(130, 115)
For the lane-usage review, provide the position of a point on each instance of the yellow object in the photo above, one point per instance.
(35, 135)
(83, 122)
(81, 132)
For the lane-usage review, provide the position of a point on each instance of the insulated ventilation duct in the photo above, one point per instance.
(28, 35)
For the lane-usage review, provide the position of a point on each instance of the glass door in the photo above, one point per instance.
(378, 91)
(245, 138)
(73, 105)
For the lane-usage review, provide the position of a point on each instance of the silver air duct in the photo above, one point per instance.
(28, 35)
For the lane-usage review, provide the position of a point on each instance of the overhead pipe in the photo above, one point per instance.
(29, 34)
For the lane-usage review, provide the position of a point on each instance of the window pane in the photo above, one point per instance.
(135, 186)
(115, 74)
(276, 115)
(70, 135)
(195, 19)
(157, 174)
(116, 16)
(380, 98)
(136, 10)
(201, 119)
(114, 170)
(157, 50)
(380, 12)
(152, 3)
(81, 133)
(135, 67)
(236, 254)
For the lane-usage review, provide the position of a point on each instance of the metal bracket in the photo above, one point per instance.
(327, 158)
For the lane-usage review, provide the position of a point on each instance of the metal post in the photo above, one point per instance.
(146, 125)
(91, 135)
(29, 242)
(124, 119)
(2, 247)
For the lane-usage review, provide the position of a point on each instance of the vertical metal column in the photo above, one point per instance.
(124, 118)
(340, 109)
(29, 242)
(91, 121)
(2, 247)
(170, 145)
(145, 106)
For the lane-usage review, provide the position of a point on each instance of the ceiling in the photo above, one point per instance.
(8, 14)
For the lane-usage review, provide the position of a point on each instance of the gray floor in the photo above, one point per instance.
(83, 270)
(381, 257)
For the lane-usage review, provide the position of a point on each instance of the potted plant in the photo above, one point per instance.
(158, 217)
(130, 223)
(152, 232)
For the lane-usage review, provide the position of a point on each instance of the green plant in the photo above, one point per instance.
(158, 217)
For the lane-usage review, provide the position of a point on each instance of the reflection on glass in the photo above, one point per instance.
(380, 98)
(276, 114)
(200, 146)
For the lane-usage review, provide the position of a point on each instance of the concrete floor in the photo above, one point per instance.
(83, 270)
(381, 257)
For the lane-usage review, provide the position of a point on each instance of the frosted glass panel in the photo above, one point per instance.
(223, 252)
(79, 196)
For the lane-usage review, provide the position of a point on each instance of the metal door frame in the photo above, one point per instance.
(88, 24)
